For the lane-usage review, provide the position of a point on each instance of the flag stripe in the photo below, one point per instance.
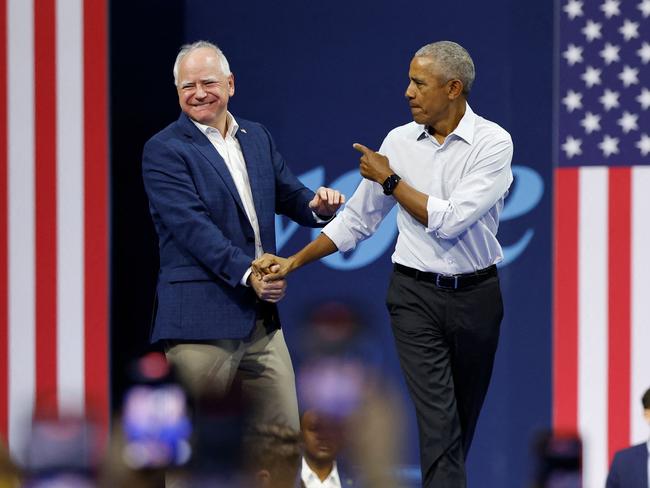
(640, 336)
(54, 221)
(565, 333)
(4, 352)
(592, 321)
(20, 99)
(45, 160)
(96, 204)
(70, 251)
(619, 309)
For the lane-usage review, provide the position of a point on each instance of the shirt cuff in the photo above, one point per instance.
(342, 238)
(322, 220)
(436, 211)
(244, 280)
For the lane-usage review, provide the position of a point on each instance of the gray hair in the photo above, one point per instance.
(188, 48)
(454, 61)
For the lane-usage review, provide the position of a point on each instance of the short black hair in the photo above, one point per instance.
(645, 399)
(275, 448)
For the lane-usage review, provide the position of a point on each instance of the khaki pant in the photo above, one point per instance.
(261, 362)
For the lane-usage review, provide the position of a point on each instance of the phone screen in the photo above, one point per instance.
(156, 426)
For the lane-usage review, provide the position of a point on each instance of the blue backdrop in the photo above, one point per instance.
(322, 75)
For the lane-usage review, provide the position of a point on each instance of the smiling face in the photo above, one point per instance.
(429, 94)
(203, 88)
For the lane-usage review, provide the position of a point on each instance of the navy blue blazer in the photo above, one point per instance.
(629, 468)
(206, 241)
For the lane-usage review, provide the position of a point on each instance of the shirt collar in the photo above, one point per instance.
(464, 129)
(231, 125)
(306, 473)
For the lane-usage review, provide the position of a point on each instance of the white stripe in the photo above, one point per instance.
(640, 333)
(592, 322)
(70, 192)
(20, 68)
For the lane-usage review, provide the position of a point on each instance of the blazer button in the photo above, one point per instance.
(250, 239)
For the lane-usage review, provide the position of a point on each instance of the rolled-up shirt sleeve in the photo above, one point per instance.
(478, 191)
(361, 216)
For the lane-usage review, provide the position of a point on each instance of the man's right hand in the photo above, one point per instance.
(267, 290)
(269, 267)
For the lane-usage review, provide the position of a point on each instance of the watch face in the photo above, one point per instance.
(390, 183)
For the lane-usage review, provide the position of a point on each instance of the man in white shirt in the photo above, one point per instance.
(449, 172)
(214, 185)
(321, 442)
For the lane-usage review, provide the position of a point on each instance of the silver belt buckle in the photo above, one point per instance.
(441, 285)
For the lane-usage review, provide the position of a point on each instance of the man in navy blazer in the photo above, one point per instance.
(214, 186)
(631, 467)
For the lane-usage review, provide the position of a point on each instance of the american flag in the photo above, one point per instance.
(53, 212)
(601, 355)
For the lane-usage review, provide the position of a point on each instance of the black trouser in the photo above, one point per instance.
(446, 341)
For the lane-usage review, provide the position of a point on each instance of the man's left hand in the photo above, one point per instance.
(372, 165)
(326, 202)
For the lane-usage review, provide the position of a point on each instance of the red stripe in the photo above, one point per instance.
(4, 195)
(96, 207)
(620, 214)
(565, 301)
(45, 188)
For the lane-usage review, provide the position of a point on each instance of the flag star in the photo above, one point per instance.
(609, 145)
(629, 30)
(644, 98)
(573, 9)
(592, 30)
(591, 76)
(609, 99)
(572, 147)
(610, 53)
(611, 8)
(629, 76)
(644, 53)
(573, 54)
(591, 122)
(572, 100)
(644, 144)
(628, 122)
(644, 7)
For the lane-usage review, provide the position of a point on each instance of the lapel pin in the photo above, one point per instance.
(244, 131)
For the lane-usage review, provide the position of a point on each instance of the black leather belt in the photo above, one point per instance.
(450, 282)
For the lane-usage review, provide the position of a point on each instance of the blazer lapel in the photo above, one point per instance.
(251, 156)
(205, 147)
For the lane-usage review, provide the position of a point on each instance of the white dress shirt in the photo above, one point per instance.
(311, 479)
(466, 179)
(230, 150)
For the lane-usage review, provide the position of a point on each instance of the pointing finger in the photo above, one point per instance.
(362, 149)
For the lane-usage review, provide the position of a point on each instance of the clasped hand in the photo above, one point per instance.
(271, 268)
(268, 290)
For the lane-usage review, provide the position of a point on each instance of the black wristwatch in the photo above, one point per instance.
(390, 184)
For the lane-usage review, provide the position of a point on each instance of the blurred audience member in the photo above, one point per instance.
(367, 409)
(322, 439)
(63, 452)
(9, 472)
(631, 467)
(337, 328)
(272, 455)
(559, 460)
